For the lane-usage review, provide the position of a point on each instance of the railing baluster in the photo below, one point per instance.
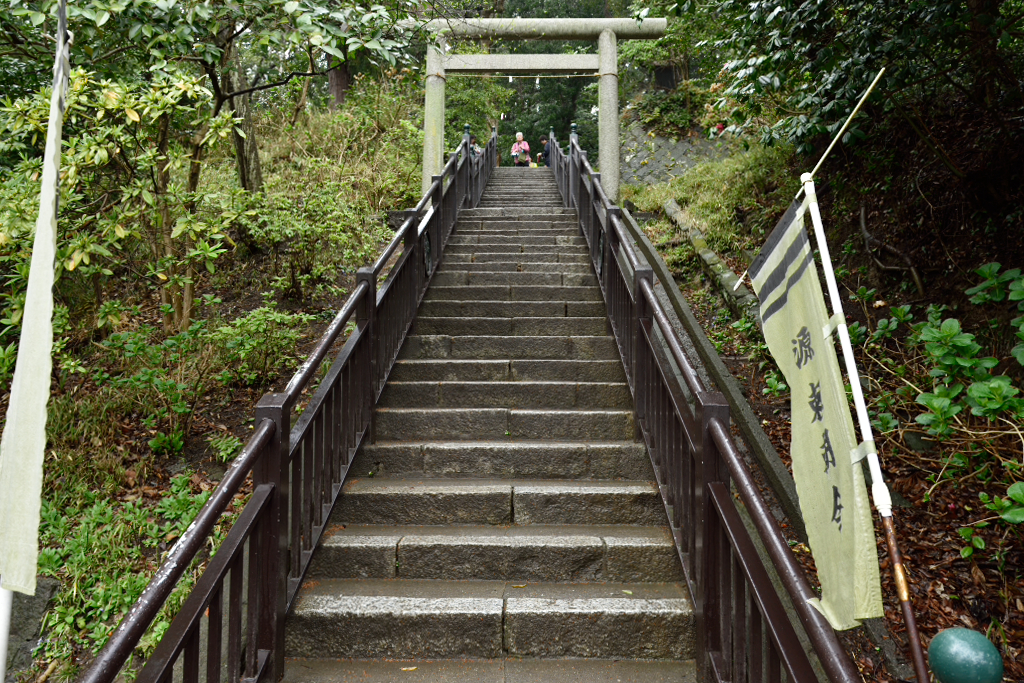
(214, 644)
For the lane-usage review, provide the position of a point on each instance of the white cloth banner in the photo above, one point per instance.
(24, 438)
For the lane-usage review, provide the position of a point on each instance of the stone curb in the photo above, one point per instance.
(739, 299)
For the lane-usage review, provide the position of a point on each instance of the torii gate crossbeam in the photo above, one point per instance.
(604, 66)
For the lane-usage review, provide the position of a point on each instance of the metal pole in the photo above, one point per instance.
(879, 491)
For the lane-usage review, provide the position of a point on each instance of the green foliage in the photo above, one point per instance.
(953, 351)
(225, 447)
(673, 112)
(1010, 509)
(103, 552)
(757, 185)
(973, 540)
(775, 386)
(259, 343)
(858, 333)
(797, 67)
(941, 409)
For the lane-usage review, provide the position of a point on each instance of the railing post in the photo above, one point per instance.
(366, 318)
(272, 468)
(574, 169)
(640, 275)
(439, 222)
(711, 468)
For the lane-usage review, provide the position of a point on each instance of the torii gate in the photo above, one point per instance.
(603, 65)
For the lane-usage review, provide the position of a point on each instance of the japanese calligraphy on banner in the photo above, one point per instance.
(829, 479)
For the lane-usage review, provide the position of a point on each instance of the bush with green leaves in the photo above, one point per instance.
(259, 344)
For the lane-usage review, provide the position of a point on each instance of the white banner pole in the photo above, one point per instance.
(6, 600)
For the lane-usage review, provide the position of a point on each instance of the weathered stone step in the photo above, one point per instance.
(513, 265)
(487, 202)
(498, 228)
(511, 309)
(512, 670)
(414, 618)
(513, 293)
(509, 347)
(495, 248)
(488, 257)
(497, 424)
(488, 237)
(520, 502)
(531, 553)
(505, 460)
(538, 326)
(502, 370)
(453, 276)
(515, 213)
(558, 395)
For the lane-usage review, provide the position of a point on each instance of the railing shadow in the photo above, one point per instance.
(297, 471)
(743, 631)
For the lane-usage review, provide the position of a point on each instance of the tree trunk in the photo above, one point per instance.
(247, 153)
(338, 81)
(300, 106)
(170, 296)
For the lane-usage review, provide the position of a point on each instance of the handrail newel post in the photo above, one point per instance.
(711, 468)
(643, 315)
(438, 223)
(366, 318)
(272, 469)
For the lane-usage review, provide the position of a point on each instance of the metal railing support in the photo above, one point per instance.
(272, 469)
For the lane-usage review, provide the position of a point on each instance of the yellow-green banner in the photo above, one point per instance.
(825, 455)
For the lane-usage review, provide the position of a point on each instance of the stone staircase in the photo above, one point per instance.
(504, 525)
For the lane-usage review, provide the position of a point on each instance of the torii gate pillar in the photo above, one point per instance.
(608, 114)
(433, 115)
(605, 31)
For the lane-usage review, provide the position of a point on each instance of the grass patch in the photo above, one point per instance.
(734, 201)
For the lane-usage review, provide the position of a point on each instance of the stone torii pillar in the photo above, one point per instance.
(604, 66)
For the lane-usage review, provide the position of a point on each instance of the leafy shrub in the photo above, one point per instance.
(260, 342)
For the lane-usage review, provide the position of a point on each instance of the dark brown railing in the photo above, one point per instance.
(743, 631)
(297, 472)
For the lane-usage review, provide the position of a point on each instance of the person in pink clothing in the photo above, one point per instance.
(521, 151)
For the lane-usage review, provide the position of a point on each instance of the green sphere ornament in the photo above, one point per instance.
(960, 655)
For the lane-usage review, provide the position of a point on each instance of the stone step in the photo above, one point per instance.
(520, 502)
(511, 309)
(497, 202)
(535, 553)
(527, 267)
(508, 347)
(540, 326)
(481, 256)
(502, 424)
(495, 248)
(558, 395)
(488, 237)
(513, 293)
(505, 460)
(511, 229)
(512, 670)
(502, 370)
(414, 618)
(454, 276)
(513, 213)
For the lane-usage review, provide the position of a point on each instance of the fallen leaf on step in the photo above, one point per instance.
(627, 592)
(408, 668)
